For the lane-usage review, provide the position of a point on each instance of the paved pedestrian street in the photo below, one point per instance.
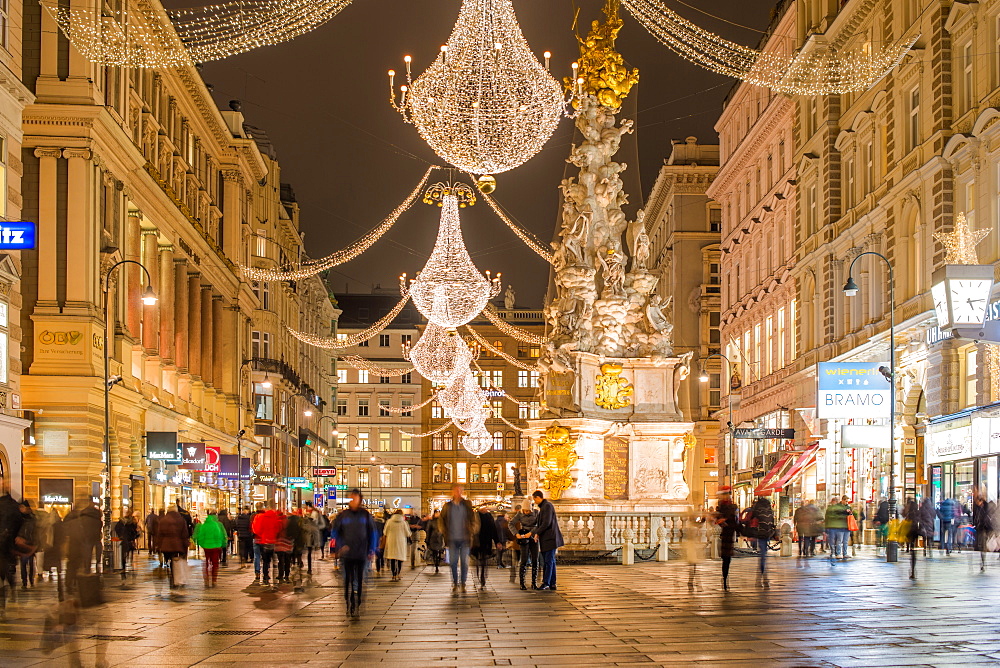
(859, 613)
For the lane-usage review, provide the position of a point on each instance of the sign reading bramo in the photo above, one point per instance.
(852, 390)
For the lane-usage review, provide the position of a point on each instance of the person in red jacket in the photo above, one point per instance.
(266, 528)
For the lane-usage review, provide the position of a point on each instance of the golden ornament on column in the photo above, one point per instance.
(557, 457)
(601, 70)
(613, 391)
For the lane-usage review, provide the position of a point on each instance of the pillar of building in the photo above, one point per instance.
(133, 277)
(220, 317)
(48, 235)
(165, 292)
(207, 367)
(180, 314)
(151, 312)
(81, 232)
(194, 324)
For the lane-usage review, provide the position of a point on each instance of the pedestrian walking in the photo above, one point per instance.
(173, 538)
(230, 526)
(288, 546)
(504, 538)
(127, 531)
(212, 537)
(524, 522)
(760, 520)
(152, 519)
(266, 528)
(459, 524)
(881, 526)
(52, 558)
(949, 513)
(435, 540)
(244, 537)
(835, 521)
(379, 518)
(911, 522)
(26, 544)
(928, 515)
(257, 551)
(312, 534)
(982, 521)
(549, 538)
(354, 530)
(484, 544)
(727, 518)
(513, 547)
(84, 534)
(808, 522)
(397, 535)
(11, 519)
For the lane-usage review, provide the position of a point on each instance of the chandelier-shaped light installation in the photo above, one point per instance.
(478, 442)
(141, 35)
(440, 355)
(463, 399)
(486, 104)
(450, 291)
(814, 70)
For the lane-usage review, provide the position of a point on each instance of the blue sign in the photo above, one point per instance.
(331, 494)
(17, 235)
(853, 390)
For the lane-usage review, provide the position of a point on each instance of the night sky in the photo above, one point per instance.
(323, 100)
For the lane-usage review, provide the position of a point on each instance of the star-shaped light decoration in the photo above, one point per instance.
(960, 244)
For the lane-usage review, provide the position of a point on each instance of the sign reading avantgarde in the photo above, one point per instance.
(852, 390)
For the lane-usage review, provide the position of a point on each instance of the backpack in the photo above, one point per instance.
(758, 523)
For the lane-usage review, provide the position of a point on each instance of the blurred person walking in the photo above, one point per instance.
(152, 519)
(127, 531)
(173, 538)
(267, 528)
(911, 532)
(211, 536)
(949, 514)
(523, 524)
(505, 537)
(760, 519)
(982, 521)
(881, 526)
(837, 531)
(928, 515)
(808, 522)
(26, 544)
(288, 546)
(397, 534)
(549, 538)
(459, 524)
(258, 552)
(727, 519)
(485, 543)
(11, 520)
(244, 537)
(435, 540)
(230, 526)
(354, 530)
(312, 534)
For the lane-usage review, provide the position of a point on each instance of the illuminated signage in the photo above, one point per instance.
(17, 235)
(852, 390)
(193, 456)
(55, 491)
(324, 471)
(161, 446)
(763, 432)
(212, 458)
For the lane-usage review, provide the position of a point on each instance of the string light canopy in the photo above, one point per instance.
(817, 69)
(359, 362)
(464, 399)
(440, 354)
(140, 35)
(486, 104)
(351, 340)
(450, 291)
(510, 330)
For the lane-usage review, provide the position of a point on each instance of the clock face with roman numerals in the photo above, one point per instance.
(969, 299)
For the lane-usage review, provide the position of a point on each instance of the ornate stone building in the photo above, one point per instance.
(684, 230)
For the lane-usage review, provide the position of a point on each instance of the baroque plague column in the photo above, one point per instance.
(610, 377)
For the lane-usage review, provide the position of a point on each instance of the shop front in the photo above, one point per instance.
(963, 454)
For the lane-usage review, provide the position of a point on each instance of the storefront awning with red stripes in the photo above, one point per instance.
(789, 466)
(765, 486)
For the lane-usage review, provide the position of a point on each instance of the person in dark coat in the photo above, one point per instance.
(227, 523)
(881, 525)
(187, 517)
(435, 540)
(505, 536)
(549, 538)
(982, 521)
(727, 517)
(152, 519)
(485, 542)
(928, 515)
(911, 513)
(11, 520)
(357, 540)
(173, 537)
(522, 524)
(127, 532)
(244, 536)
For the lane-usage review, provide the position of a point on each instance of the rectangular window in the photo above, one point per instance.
(406, 477)
(406, 339)
(526, 378)
(405, 443)
(363, 478)
(406, 378)
(768, 343)
(384, 380)
(406, 404)
(968, 79)
(385, 476)
(385, 441)
(363, 344)
(362, 408)
(462, 470)
(341, 407)
(913, 119)
(792, 332)
(263, 402)
(849, 189)
(363, 444)
(780, 360)
(496, 378)
(715, 219)
(971, 375)
(970, 203)
(437, 411)
(496, 405)
(813, 203)
(758, 350)
(383, 408)
(383, 340)
(869, 167)
(362, 376)
(341, 375)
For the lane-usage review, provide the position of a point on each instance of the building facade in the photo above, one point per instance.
(757, 190)
(378, 414)
(514, 397)
(684, 227)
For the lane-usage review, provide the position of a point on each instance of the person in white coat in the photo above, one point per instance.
(397, 533)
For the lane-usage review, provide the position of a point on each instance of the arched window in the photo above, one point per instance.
(437, 473)
(447, 473)
(498, 440)
(510, 441)
(437, 442)
(474, 473)
(498, 344)
(449, 441)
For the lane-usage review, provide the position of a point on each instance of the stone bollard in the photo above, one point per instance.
(786, 540)
(714, 540)
(663, 545)
(628, 552)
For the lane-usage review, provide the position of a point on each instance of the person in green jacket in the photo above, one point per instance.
(836, 528)
(211, 536)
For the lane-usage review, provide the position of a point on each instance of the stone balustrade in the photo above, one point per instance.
(594, 532)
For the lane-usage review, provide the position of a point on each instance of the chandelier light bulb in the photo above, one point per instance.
(440, 355)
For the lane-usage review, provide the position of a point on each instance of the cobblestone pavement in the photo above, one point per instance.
(859, 613)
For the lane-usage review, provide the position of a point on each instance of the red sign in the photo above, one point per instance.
(213, 459)
(324, 472)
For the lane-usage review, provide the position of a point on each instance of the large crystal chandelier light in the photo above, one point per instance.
(477, 442)
(486, 104)
(464, 399)
(449, 290)
(440, 355)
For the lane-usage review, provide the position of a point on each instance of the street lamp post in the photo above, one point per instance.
(148, 298)
(704, 378)
(851, 289)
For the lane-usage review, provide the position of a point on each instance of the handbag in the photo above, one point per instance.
(852, 523)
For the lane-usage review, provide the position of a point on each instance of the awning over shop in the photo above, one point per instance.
(795, 470)
(765, 486)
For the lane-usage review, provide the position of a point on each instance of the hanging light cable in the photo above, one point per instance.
(350, 340)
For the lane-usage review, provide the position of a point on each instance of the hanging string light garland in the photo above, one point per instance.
(359, 362)
(450, 291)
(351, 340)
(141, 35)
(486, 104)
(521, 233)
(429, 433)
(510, 330)
(346, 255)
(513, 361)
(409, 409)
(815, 70)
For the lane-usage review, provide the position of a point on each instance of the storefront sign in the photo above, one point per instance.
(246, 472)
(864, 436)
(212, 456)
(264, 479)
(324, 471)
(161, 446)
(229, 466)
(985, 436)
(193, 456)
(52, 491)
(17, 235)
(949, 441)
(763, 432)
(852, 390)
